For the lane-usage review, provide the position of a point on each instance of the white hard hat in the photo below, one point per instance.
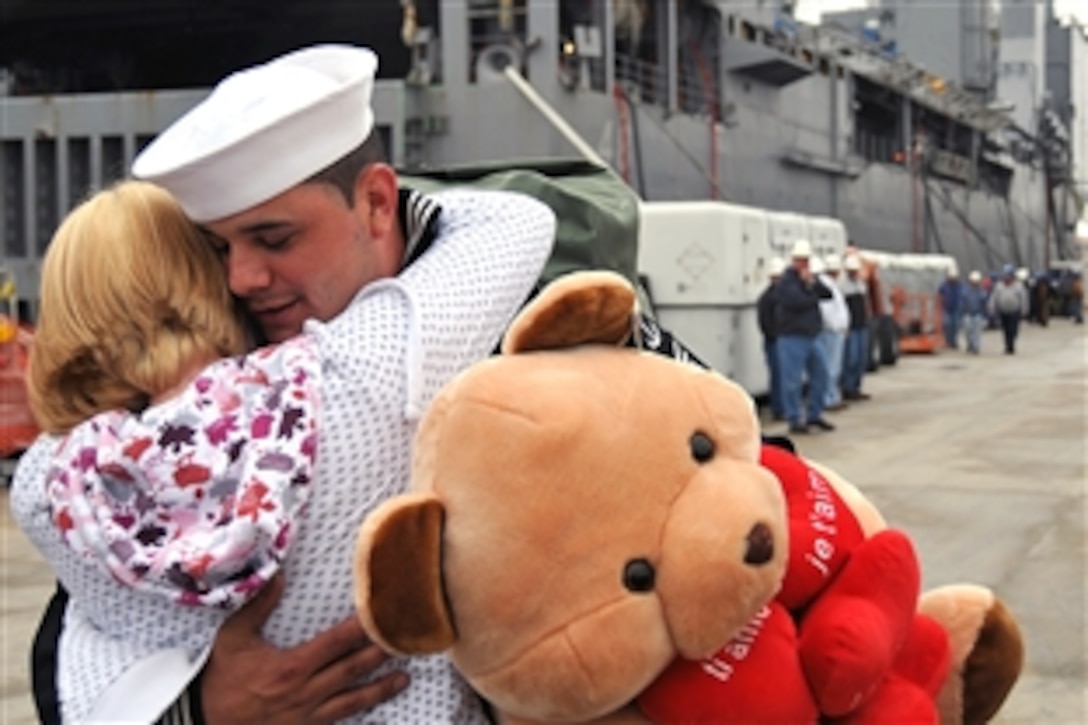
(852, 263)
(1022, 274)
(817, 265)
(974, 276)
(802, 249)
(263, 130)
(776, 266)
(833, 262)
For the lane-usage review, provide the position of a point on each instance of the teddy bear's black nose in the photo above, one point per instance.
(760, 545)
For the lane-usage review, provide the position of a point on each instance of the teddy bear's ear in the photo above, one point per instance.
(398, 576)
(575, 309)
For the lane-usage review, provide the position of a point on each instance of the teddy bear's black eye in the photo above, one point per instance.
(702, 448)
(638, 575)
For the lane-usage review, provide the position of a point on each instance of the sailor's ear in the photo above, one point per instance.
(576, 309)
(399, 591)
(376, 200)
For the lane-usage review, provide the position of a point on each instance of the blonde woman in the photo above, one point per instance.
(182, 482)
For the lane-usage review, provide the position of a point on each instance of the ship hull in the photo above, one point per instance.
(670, 158)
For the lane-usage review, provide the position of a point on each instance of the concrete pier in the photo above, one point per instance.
(981, 459)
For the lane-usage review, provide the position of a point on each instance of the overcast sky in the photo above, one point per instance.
(809, 10)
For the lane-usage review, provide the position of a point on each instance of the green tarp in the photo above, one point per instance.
(598, 213)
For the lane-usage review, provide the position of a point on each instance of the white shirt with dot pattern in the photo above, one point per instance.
(382, 360)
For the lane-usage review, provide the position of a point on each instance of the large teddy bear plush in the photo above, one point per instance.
(598, 532)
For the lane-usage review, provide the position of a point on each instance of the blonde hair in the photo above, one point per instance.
(133, 296)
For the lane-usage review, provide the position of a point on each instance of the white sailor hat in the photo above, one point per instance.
(263, 130)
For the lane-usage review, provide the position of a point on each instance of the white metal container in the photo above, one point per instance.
(706, 265)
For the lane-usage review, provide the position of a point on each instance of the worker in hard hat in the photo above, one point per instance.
(799, 353)
(836, 316)
(974, 312)
(856, 355)
(951, 295)
(1009, 302)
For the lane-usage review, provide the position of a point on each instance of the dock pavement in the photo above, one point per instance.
(982, 460)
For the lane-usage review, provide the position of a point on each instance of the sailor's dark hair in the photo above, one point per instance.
(343, 172)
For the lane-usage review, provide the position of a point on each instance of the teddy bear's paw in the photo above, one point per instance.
(925, 658)
(852, 634)
(897, 701)
(993, 666)
(987, 651)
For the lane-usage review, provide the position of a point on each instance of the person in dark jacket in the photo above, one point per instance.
(768, 326)
(857, 353)
(799, 324)
(951, 294)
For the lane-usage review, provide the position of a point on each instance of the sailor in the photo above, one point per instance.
(283, 165)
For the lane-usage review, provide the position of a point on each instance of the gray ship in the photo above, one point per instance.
(685, 99)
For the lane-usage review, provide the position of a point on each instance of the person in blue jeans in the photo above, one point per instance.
(799, 352)
(856, 354)
(1009, 303)
(768, 326)
(974, 312)
(836, 324)
(951, 294)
